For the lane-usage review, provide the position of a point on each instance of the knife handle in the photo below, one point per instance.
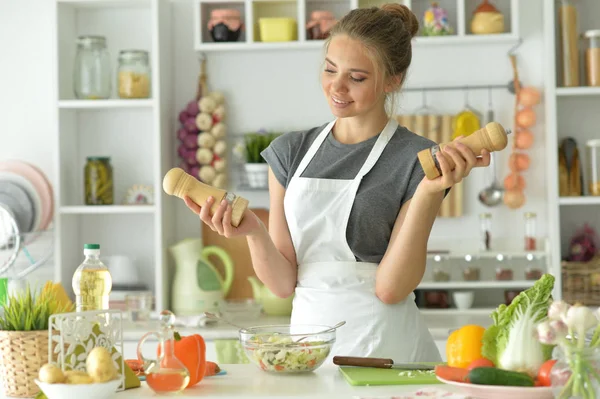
(363, 362)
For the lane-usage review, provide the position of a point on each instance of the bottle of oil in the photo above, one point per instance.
(92, 282)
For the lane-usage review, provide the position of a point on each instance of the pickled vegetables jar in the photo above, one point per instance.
(98, 181)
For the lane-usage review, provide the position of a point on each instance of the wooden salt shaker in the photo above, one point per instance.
(180, 184)
(492, 137)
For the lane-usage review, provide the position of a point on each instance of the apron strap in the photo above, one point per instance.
(313, 149)
(385, 136)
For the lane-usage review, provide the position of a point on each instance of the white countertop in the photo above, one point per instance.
(439, 325)
(248, 381)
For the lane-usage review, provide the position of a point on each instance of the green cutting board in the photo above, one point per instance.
(375, 376)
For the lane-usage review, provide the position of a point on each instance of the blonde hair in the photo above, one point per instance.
(386, 33)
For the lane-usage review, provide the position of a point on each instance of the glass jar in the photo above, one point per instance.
(576, 372)
(134, 74)
(593, 166)
(440, 270)
(530, 234)
(91, 72)
(568, 43)
(98, 181)
(485, 223)
(592, 57)
(470, 272)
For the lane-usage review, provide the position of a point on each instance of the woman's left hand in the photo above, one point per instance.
(464, 159)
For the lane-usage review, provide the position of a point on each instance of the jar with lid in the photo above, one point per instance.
(440, 270)
(92, 71)
(530, 234)
(593, 166)
(134, 74)
(568, 43)
(485, 222)
(592, 57)
(470, 272)
(98, 181)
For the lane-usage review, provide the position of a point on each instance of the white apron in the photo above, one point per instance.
(332, 286)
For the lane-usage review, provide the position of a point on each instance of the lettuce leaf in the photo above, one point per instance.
(539, 297)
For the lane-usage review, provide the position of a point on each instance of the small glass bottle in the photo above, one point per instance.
(134, 74)
(92, 71)
(592, 57)
(530, 231)
(165, 375)
(92, 282)
(98, 181)
(485, 222)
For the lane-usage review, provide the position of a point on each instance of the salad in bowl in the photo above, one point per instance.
(287, 348)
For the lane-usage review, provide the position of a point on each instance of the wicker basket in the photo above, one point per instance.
(581, 282)
(22, 354)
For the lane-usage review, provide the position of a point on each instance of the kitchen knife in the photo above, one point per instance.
(379, 363)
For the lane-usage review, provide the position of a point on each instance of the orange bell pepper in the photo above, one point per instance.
(464, 346)
(191, 351)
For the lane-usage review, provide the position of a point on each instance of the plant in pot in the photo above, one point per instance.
(24, 338)
(255, 166)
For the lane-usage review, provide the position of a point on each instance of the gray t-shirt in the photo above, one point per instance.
(391, 182)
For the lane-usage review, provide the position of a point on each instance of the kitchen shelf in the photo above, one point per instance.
(577, 91)
(136, 134)
(106, 3)
(569, 112)
(579, 200)
(106, 104)
(457, 285)
(106, 209)
(456, 311)
(500, 255)
(459, 12)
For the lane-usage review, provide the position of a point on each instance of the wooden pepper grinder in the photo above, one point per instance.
(180, 184)
(491, 137)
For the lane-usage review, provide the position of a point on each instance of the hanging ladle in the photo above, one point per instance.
(492, 195)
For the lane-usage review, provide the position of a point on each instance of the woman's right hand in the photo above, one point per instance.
(220, 221)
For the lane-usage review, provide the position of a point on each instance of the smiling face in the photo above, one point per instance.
(350, 79)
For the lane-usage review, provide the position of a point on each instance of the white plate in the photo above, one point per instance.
(31, 191)
(501, 392)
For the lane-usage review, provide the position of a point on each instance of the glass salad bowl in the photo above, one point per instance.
(288, 348)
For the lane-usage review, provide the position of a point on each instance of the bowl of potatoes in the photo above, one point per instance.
(99, 381)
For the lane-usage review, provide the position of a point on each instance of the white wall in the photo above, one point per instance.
(276, 90)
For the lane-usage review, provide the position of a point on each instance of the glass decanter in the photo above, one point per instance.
(165, 375)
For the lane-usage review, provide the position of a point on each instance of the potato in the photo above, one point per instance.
(78, 377)
(51, 374)
(100, 365)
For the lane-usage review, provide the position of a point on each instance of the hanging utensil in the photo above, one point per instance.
(492, 195)
(467, 121)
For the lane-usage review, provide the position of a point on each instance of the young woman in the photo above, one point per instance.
(350, 208)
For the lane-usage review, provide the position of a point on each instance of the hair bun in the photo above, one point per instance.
(405, 14)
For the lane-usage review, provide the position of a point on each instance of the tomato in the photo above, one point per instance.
(545, 372)
(483, 362)
(449, 373)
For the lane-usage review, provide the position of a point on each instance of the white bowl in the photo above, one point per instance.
(464, 299)
(102, 390)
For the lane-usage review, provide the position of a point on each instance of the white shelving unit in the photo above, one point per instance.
(570, 112)
(135, 134)
(251, 10)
